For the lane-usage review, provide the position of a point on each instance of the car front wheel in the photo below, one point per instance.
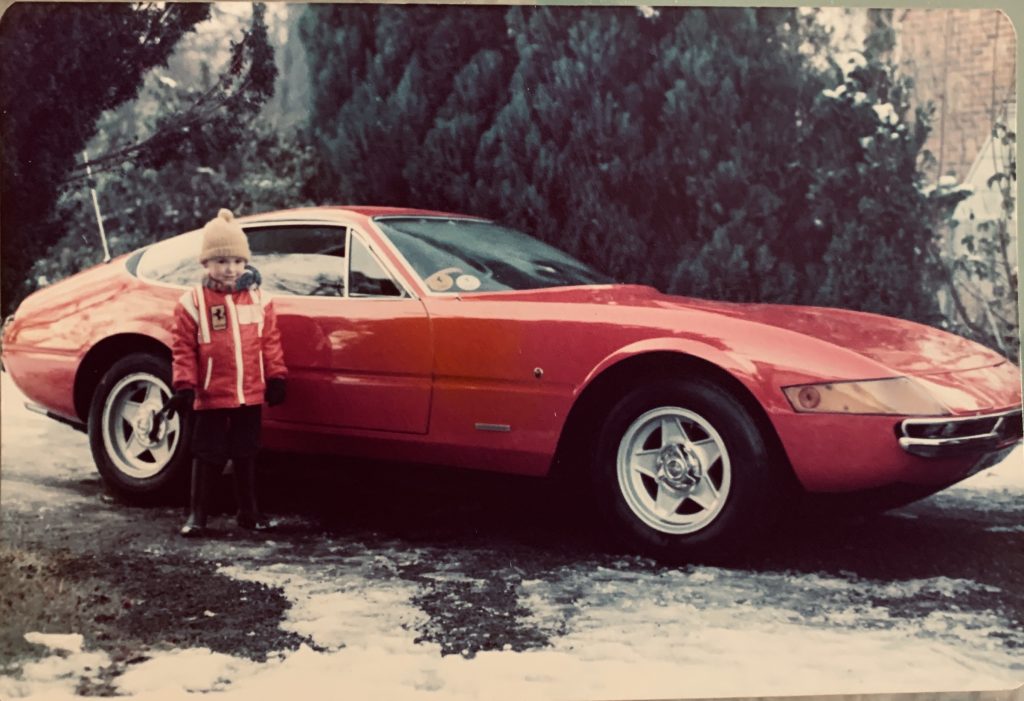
(683, 471)
(139, 457)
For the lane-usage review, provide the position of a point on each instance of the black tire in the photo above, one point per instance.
(147, 471)
(724, 504)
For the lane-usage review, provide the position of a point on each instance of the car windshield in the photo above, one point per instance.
(465, 255)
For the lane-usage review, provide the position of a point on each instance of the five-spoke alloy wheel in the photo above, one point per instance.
(139, 453)
(683, 471)
(674, 470)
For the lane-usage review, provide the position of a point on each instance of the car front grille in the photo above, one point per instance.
(959, 436)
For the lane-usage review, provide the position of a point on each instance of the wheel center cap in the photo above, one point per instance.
(144, 426)
(679, 468)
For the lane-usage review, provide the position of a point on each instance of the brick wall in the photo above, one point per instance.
(962, 61)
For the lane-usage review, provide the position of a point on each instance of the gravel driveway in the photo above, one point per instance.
(398, 582)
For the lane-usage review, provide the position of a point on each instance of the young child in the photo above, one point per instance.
(225, 342)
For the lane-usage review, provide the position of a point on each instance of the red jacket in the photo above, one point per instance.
(225, 345)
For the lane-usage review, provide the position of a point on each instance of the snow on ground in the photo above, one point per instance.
(53, 676)
(615, 632)
(1006, 476)
(625, 634)
(25, 437)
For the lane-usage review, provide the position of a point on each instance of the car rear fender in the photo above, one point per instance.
(103, 355)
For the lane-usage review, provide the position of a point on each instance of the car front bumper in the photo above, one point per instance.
(846, 453)
(954, 437)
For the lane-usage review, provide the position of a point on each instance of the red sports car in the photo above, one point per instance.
(437, 338)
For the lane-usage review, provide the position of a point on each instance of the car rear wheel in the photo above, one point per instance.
(683, 472)
(136, 461)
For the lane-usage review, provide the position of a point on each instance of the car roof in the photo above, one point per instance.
(368, 211)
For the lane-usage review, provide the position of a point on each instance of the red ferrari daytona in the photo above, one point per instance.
(449, 339)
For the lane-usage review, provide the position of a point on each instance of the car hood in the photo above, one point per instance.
(902, 346)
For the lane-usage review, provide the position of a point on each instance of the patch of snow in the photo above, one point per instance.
(886, 113)
(850, 61)
(25, 436)
(834, 93)
(54, 676)
(947, 189)
(843, 645)
(625, 633)
(944, 586)
(68, 642)
(1008, 475)
(624, 628)
(192, 670)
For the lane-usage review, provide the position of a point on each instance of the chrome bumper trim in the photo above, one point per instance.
(963, 435)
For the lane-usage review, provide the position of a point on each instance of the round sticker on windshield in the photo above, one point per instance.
(439, 282)
(467, 282)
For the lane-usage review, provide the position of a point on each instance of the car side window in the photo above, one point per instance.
(292, 260)
(367, 277)
(300, 260)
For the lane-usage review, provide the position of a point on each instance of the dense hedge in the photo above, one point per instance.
(710, 152)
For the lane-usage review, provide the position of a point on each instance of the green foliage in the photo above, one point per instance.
(388, 79)
(982, 277)
(61, 66)
(865, 194)
(694, 149)
(64, 65)
(141, 204)
(564, 154)
(705, 151)
(736, 89)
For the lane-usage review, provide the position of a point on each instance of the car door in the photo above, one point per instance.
(356, 342)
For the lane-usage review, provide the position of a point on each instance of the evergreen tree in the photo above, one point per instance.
(865, 197)
(265, 171)
(565, 156)
(61, 67)
(703, 151)
(734, 83)
(441, 171)
(390, 69)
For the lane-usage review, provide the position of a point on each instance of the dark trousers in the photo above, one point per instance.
(219, 434)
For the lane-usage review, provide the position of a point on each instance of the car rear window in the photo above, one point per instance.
(292, 260)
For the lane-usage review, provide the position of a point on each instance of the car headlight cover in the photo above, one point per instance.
(895, 395)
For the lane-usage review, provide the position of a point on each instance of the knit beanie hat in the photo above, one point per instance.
(222, 237)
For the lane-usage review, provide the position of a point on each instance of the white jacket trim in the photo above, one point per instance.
(236, 338)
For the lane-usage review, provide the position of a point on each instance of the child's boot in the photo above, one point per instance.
(196, 524)
(249, 516)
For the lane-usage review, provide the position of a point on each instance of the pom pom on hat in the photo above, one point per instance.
(224, 238)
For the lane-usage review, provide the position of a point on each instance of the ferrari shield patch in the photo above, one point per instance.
(219, 317)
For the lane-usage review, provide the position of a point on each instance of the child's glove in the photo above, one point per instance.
(250, 277)
(276, 391)
(181, 400)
